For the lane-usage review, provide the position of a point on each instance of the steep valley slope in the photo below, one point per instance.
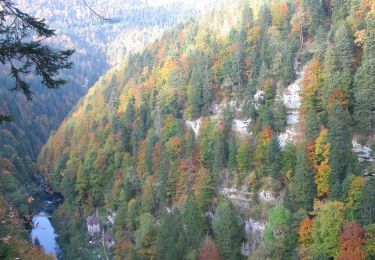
(183, 151)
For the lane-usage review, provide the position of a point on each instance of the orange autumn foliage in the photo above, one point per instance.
(360, 37)
(117, 185)
(305, 232)
(312, 84)
(253, 36)
(267, 134)
(187, 177)
(209, 251)
(174, 146)
(168, 68)
(279, 12)
(340, 97)
(123, 248)
(141, 158)
(150, 83)
(310, 147)
(156, 156)
(352, 242)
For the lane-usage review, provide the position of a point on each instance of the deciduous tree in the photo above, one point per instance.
(327, 227)
(352, 242)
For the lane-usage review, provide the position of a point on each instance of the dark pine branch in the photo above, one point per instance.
(24, 55)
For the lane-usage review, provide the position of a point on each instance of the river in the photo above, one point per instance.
(43, 232)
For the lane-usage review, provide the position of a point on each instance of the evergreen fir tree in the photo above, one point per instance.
(367, 207)
(219, 154)
(206, 190)
(227, 120)
(232, 158)
(343, 47)
(244, 157)
(193, 223)
(303, 186)
(82, 186)
(273, 160)
(168, 245)
(190, 143)
(315, 8)
(365, 81)
(163, 177)
(312, 128)
(339, 137)
(228, 231)
(339, 10)
(127, 128)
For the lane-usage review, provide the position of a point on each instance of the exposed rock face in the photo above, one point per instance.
(194, 125)
(292, 100)
(258, 98)
(112, 218)
(240, 198)
(267, 196)
(254, 234)
(239, 126)
(363, 152)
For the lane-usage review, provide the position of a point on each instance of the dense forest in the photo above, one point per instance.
(246, 133)
(98, 45)
(33, 122)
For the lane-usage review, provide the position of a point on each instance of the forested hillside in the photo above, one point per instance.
(98, 45)
(246, 133)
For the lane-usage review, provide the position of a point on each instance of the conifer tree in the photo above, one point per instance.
(189, 143)
(343, 47)
(82, 186)
(170, 231)
(367, 207)
(219, 154)
(279, 116)
(273, 160)
(365, 81)
(232, 158)
(315, 8)
(244, 157)
(206, 190)
(193, 222)
(151, 140)
(228, 231)
(339, 10)
(145, 235)
(340, 155)
(207, 143)
(303, 186)
(227, 120)
(163, 177)
(199, 93)
(312, 126)
(127, 128)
